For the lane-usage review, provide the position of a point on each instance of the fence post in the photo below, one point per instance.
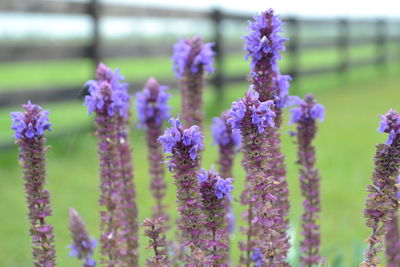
(95, 48)
(343, 45)
(294, 46)
(218, 80)
(381, 38)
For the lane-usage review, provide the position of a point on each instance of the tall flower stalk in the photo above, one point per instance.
(264, 45)
(152, 109)
(216, 195)
(184, 146)
(228, 141)
(382, 199)
(155, 229)
(82, 244)
(304, 116)
(29, 127)
(109, 99)
(253, 118)
(192, 59)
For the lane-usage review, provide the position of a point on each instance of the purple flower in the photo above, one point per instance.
(306, 109)
(108, 94)
(215, 194)
(82, 246)
(223, 187)
(155, 229)
(194, 55)
(31, 123)
(184, 146)
(257, 257)
(177, 136)
(264, 39)
(29, 129)
(305, 117)
(382, 199)
(390, 124)
(152, 104)
(223, 134)
(262, 115)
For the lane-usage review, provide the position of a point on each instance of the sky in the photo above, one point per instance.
(18, 26)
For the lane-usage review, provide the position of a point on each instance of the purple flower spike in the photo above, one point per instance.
(305, 117)
(306, 109)
(29, 127)
(184, 146)
(228, 141)
(152, 104)
(108, 94)
(192, 58)
(153, 109)
(216, 196)
(155, 229)
(31, 123)
(192, 55)
(109, 99)
(382, 201)
(176, 136)
(83, 245)
(390, 124)
(250, 112)
(255, 120)
(264, 45)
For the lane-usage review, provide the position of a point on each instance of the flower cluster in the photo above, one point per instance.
(29, 127)
(390, 124)
(193, 55)
(264, 45)
(32, 123)
(176, 138)
(264, 40)
(82, 246)
(184, 146)
(306, 114)
(152, 104)
(306, 110)
(223, 134)
(155, 230)
(382, 199)
(108, 94)
(216, 194)
(228, 141)
(250, 112)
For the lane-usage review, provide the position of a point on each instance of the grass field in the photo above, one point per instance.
(345, 147)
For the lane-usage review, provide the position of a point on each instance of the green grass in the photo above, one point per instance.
(345, 147)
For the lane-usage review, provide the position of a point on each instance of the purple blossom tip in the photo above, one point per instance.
(31, 123)
(108, 94)
(192, 55)
(390, 123)
(177, 137)
(249, 111)
(222, 132)
(222, 187)
(82, 246)
(264, 40)
(307, 109)
(152, 103)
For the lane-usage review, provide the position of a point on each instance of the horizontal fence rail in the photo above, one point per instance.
(96, 50)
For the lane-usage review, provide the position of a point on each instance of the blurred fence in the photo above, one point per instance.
(96, 50)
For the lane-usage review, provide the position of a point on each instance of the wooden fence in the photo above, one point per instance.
(96, 51)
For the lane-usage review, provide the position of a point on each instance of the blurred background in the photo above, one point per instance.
(346, 52)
